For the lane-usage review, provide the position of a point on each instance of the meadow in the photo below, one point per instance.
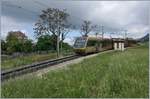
(114, 74)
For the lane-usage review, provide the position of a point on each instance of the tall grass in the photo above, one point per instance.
(24, 60)
(114, 74)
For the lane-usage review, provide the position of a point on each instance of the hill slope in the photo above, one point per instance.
(144, 39)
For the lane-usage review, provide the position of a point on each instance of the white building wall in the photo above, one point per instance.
(115, 46)
(120, 47)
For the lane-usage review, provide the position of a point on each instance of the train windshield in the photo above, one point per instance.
(80, 42)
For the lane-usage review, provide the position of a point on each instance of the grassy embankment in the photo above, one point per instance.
(113, 74)
(24, 60)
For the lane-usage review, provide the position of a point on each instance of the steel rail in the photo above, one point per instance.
(7, 74)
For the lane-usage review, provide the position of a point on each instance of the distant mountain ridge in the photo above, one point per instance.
(145, 38)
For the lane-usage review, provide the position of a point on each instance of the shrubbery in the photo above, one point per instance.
(17, 42)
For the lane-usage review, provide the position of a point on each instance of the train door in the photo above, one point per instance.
(99, 45)
(96, 47)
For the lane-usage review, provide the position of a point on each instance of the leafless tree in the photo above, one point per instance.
(63, 35)
(86, 28)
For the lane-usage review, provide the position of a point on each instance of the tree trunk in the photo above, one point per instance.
(61, 47)
(57, 46)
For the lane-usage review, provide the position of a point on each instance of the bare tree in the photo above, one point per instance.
(63, 35)
(53, 22)
(86, 28)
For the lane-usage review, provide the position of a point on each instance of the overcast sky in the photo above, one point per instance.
(115, 16)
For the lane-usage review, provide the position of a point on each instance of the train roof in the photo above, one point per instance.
(96, 38)
(117, 39)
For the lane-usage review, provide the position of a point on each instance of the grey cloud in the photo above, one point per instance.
(114, 15)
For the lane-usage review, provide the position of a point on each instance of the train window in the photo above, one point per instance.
(91, 43)
(103, 43)
(106, 43)
(80, 42)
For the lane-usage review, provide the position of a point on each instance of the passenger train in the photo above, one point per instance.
(86, 45)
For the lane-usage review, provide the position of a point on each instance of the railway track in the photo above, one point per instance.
(34, 67)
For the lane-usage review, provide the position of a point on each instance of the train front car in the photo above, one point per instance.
(80, 45)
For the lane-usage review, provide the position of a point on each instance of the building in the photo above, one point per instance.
(118, 44)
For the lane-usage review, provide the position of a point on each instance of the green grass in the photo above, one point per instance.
(24, 60)
(113, 74)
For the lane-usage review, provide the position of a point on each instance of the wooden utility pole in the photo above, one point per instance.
(102, 32)
(125, 34)
(57, 45)
(96, 34)
(97, 30)
(58, 35)
(61, 44)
